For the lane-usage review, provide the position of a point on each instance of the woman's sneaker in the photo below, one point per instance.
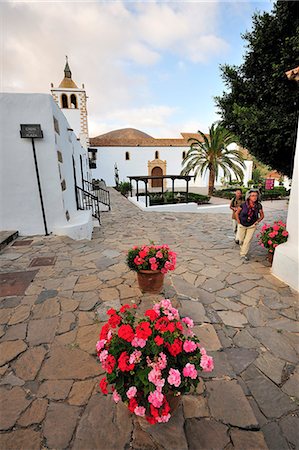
(245, 259)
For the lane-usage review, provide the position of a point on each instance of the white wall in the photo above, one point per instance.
(286, 257)
(138, 164)
(20, 207)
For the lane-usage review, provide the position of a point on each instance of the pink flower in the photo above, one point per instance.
(138, 342)
(207, 363)
(285, 233)
(154, 266)
(273, 234)
(265, 227)
(155, 377)
(203, 351)
(103, 355)
(270, 242)
(189, 346)
(275, 245)
(190, 371)
(275, 227)
(163, 270)
(174, 377)
(100, 344)
(138, 261)
(139, 411)
(131, 392)
(135, 357)
(162, 361)
(156, 399)
(152, 260)
(116, 397)
(163, 419)
(159, 255)
(189, 322)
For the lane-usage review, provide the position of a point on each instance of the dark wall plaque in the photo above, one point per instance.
(31, 131)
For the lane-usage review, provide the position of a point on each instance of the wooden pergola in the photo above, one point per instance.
(145, 180)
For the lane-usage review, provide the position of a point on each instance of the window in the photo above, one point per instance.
(184, 155)
(74, 101)
(127, 156)
(64, 101)
(156, 154)
(56, 125)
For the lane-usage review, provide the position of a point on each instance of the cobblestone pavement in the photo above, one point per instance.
(246, 318)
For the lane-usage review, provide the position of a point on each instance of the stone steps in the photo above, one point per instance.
(6, 237)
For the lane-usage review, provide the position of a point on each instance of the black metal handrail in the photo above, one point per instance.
(102, 194)
(85, 201)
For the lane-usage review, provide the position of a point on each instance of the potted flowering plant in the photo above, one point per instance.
(150, 360)
(271, 236)
(151, 262)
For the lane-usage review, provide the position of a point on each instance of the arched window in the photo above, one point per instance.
(74, 101)
(156, 154)
(127, 156)
(184, 155)
(64, 101)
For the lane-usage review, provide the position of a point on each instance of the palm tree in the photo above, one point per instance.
(211, 153)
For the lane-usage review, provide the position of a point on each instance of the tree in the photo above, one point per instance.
(211, 153)
(261, 107)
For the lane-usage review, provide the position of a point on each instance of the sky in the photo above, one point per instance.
(150, 65)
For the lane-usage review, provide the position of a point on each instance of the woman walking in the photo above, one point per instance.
(248, 215)
(234, 204)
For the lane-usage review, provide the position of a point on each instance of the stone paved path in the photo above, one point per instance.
(245, 317)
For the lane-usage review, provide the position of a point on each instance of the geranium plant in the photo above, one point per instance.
(151, 257)
(273, 235)
(147, 359)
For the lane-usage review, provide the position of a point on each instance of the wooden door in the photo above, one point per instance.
(157, 172)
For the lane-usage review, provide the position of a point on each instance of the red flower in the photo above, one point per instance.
(104, 331)
(110, 363)
(171, 327)
(162, 324)
(175, 348)
(143, 330)
(151, 314)
(126, 332)
(132, 404)
(124, 308)
(159, 340)
(114, 320)
(111, 311)
(165, 408)
(179, 326)
(154, 411)
(151, 420)
(123, 363)
(103, 386)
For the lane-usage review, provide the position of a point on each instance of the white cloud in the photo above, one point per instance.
(107, 44)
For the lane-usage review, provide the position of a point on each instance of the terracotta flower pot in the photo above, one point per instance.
(150, 281)
(270, 257)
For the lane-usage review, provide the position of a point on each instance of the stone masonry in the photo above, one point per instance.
(247, 319)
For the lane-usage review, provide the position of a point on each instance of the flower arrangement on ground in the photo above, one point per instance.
(273, 235)
(151, 257)
(147, 359)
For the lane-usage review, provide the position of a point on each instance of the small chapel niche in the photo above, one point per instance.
(64, 101)
(74, 104)
(127, 156)
(156, 154)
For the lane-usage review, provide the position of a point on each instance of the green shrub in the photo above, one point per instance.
(124, 188)
(177, 197)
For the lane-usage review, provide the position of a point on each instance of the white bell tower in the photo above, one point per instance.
(72, 101)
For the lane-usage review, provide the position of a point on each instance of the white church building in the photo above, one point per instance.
(42, 180)
(135, 153)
